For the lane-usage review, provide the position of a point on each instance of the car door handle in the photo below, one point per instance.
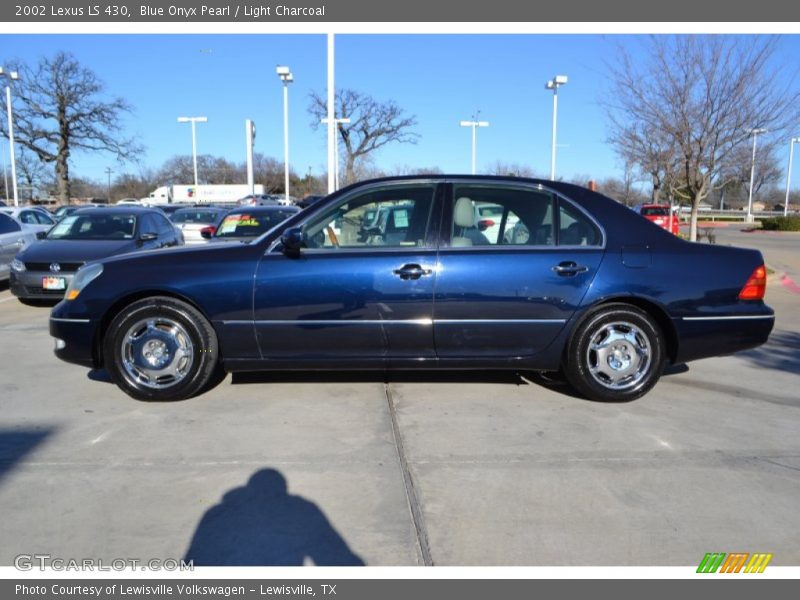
(411, 272)
(569, 268)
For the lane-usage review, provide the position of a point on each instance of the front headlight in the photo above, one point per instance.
(83, 277)
(17, 266)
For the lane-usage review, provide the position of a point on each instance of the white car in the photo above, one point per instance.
(191, 221)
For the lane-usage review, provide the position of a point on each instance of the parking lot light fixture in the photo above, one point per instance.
(11, 76)
(555, 83)
(754, 132)
(193, 120)
(285, 75)
(474, 123)
(794, 140)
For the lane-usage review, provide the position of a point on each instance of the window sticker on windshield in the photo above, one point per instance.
(63, 226)
(401, 219)
(229, 224)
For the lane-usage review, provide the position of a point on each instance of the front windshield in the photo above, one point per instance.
(94, 227)
(195, 216)
(250, 224)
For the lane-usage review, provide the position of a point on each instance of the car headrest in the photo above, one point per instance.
(464, 213)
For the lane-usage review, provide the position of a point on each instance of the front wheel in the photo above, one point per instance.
(616, 354)
(160, 348)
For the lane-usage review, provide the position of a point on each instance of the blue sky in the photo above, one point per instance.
(439, 78)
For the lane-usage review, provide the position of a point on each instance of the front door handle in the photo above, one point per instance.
(569, 268)
(411, 271)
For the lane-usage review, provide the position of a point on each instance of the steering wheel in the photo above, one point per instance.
(332, 236)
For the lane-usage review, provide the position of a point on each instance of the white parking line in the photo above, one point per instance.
(7, 299)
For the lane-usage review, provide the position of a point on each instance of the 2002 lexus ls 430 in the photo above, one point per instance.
(409, 273)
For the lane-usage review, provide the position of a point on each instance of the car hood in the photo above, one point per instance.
(75, 250)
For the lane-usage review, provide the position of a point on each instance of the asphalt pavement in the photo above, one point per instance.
(445, 469)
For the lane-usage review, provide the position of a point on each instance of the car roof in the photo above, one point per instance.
(263, 208)
(130, 209)
(201, 207)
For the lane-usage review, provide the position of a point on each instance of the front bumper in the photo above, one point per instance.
(28, 285)
(75, 339)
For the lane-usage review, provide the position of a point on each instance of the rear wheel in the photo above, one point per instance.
(161, 348)
(616, 354)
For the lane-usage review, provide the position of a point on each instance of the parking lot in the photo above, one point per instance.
(407, 469)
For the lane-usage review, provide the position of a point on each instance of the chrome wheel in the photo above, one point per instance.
(157, 352)
(619, 355)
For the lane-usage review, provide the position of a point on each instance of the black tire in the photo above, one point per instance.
(172, 334)
(615, 354)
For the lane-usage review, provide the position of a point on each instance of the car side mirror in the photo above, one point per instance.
(292, 241)
(207, 233)
(40, 235)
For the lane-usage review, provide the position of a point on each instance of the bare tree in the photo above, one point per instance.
(767, 172)
(32, 174)
(513, 169)
(373, 124)
(62, 109)
(649, 151)
(703, 94)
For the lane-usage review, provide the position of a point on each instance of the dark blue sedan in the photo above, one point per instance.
(564, 279)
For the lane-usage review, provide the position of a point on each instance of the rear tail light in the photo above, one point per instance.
(756, 285)
(484, 224)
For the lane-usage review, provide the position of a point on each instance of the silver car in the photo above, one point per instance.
(13, 238)
(33, 219)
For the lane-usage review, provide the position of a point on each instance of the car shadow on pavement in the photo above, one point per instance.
(781, 352)
(16, 443)
(261, 524)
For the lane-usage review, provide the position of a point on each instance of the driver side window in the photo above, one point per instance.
(395, 217)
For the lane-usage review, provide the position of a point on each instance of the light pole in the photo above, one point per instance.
(754, 133)
(794, 141)
(286, 77)
(11, 76)
(331, 108)
(336, 148)
(193, 120)
(474, 124)
(554, 84)
(109, 171)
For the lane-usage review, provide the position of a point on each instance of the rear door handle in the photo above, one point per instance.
(411, 271)
(569, 268)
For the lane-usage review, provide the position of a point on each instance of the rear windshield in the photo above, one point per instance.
(195, 216)
(655, 211)
(94, 227)
(251, 224)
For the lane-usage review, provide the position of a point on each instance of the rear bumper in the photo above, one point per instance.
(74, 339)
(704, 337)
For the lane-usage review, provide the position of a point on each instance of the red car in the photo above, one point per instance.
(659, 214)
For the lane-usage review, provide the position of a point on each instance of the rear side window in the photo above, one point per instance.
(575, 228)
(8, 225)
(502, 216)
